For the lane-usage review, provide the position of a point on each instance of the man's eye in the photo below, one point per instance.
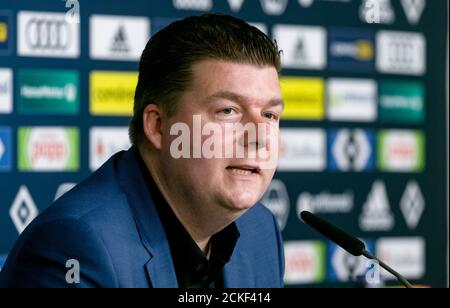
(227, 111)
(270, 116)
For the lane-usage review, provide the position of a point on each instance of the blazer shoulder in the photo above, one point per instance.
(98, 204)
(42, 255)
(98, 194)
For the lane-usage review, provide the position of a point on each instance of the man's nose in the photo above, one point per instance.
(256, 131)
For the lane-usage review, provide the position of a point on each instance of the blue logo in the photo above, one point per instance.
(5, 149)
(342, 266)
(5, 34)
(351, 50)
(351, 150)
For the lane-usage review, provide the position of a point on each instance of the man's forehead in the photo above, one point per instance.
(227, 79)
(226, 65)
(236, 97)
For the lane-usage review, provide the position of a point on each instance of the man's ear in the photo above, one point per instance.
(152, 124)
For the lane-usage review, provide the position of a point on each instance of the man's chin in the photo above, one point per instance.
(242, 203)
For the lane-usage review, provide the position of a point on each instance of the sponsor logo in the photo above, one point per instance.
(401, 101)
(412, 204)
(6, 90)
(346, 267)
(401, 151)
(325, 202)
(377, 11)
(235, 5)
(305, 3)
(45, 34)
(303, 47)
(5, 149)
(303, 98)
(274, 7)
(48, 92)
(5, 34)
(401, 53)
(104, 142)
(276, 199)
(351, 150)
(376, 212)
(302, 150)
(305, 262)
(413, 10)
(112, 93)
(352, 100)
(23, 209)
(405, 254)
(48, 149)
(62, 189)
(351, 50)
(118, 37)
(193, 5)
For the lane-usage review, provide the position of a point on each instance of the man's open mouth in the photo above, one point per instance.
(244, 170)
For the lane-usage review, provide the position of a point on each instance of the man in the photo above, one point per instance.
(158, 215)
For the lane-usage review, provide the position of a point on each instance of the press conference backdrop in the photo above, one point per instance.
(363, 135)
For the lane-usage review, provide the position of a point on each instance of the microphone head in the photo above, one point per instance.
(348, 242)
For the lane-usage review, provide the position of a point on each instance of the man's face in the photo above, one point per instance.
(224, 94)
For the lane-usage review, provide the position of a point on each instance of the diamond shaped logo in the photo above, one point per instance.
(23, 209)
(351, 150)
(412, 204)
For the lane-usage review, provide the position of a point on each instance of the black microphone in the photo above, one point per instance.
(348, 242)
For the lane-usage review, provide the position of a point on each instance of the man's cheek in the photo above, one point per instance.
(267, 177)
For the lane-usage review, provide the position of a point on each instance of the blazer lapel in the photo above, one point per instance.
(239, 271)
(160, 267)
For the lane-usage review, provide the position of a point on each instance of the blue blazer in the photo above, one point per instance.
(109, 224)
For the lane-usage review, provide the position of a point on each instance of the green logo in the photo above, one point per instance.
(401, 102)
(48, 92)
(48, 149)
(401, 151)
(305, 262)
(319, 270)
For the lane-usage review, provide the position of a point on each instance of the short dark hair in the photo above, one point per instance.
(165, 68)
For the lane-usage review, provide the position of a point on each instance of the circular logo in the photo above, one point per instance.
(276, 199)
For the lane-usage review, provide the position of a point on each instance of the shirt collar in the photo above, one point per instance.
(189, 260)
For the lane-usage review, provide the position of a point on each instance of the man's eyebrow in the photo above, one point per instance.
(240, 98)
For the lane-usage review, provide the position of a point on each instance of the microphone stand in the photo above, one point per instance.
(405, 282)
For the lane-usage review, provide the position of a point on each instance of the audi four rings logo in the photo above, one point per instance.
(48, 34)
(401, 52)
